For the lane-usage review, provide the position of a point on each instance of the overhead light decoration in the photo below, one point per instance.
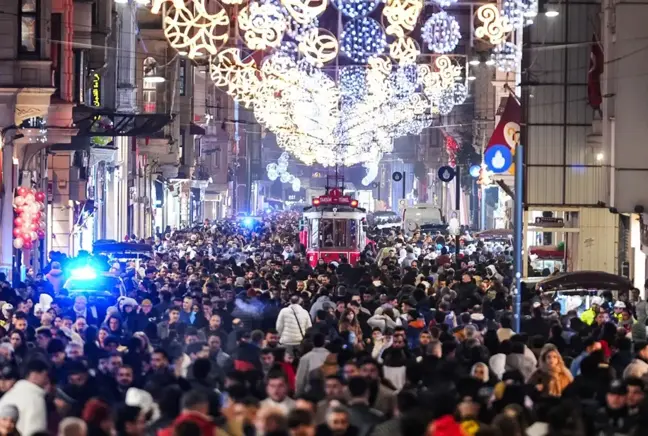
(519, 13)
(494, 27)
(445, 3)
(460, 93)
(263, 24)
(404, 50)
(506, 56)
(304, 11)
(441, 32)
(321, 112)
(319, 47)
(372, 173)
(514, 13)
(401, 16)
(356, 8)
(279, 171)
(198, 28)
(362, 38)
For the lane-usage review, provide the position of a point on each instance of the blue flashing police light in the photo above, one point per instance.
(83, 273)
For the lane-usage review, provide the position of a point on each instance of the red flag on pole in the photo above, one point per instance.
(594, 96)
(507, 131)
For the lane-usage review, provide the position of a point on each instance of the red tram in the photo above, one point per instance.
(334, 226)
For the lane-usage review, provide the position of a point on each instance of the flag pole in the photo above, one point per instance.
(518, 224)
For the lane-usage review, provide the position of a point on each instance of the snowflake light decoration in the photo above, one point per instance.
(263, 24)
(401, 16)
(506, 56)
(197, 31)
(319, 46)
(356, 8)
(362, 38)
(304, 11)
(441, 32)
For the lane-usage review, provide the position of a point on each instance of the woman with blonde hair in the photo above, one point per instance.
(552, 376)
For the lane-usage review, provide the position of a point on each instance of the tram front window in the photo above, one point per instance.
(334, 233)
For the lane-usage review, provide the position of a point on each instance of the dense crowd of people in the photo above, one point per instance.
(227, 330)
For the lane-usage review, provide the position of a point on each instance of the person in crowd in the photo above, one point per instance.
(552, 376)
(292, 323)
(28, 396)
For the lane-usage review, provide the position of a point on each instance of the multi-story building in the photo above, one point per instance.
(102, 115)
(623, 128)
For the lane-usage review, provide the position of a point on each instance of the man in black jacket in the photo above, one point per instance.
(361, 415)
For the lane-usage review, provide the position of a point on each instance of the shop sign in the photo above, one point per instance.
(96, 90)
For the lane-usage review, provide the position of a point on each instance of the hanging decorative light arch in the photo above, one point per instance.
(321, 113)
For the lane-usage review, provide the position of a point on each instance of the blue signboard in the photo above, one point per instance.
(446, 173)
(498, 158)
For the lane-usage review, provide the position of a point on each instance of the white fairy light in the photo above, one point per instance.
(356, 8)
(513, 10)
(445, 3)
(362, 38)
(506, 56)
(441, 32)
(460, 93)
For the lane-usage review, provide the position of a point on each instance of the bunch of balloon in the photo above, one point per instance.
(29, 221)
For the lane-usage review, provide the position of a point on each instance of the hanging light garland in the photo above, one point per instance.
(506, 56)
(445, 3)
(362, 38)
(352, 83)
(514, 12)
(441, 32)
(345, 117)
(460, 93)
(356, 8)
(279, 171)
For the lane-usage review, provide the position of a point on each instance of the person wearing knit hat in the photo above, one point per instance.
(9, 415)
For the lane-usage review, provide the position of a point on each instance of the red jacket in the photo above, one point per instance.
(207, 426)
(290, 374)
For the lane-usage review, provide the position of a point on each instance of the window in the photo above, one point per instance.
(150, 98)
(182, 75)
(80, 75)
(28, 18)
(333, 233)
(181, 148)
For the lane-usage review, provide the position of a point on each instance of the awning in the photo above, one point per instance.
(195, 129)
(586, 280)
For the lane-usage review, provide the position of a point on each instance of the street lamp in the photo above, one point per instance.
(551, 11)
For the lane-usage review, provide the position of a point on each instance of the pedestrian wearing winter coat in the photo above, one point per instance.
(292, 323)
(552, 376)
(638, 368)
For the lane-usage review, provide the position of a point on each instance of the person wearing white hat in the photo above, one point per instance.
(589, 315)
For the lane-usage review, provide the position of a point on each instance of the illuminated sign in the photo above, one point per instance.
(96, 90)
